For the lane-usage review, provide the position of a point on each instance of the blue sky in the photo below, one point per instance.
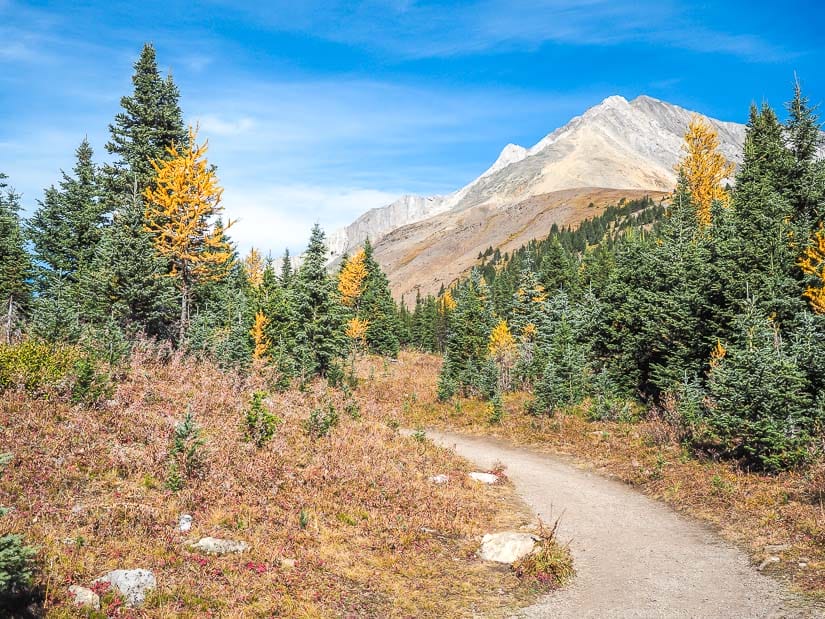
(318, 110)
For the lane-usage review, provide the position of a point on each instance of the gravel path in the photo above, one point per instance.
(634, 557)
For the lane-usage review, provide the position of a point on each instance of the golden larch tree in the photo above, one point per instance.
(502, 347)
(182, 213)
(704, 168)
(812, 262)
(446, 303)
(254, 267)
(351, 279)
(259, 337)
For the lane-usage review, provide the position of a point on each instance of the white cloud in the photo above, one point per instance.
(274, 217)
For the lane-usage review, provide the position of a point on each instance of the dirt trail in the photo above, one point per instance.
(634, 557)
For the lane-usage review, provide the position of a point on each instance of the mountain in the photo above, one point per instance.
(617, 148)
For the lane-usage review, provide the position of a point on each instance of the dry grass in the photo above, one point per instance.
(378, 539)
(749, 509)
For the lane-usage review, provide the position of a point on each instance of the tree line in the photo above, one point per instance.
(138, 247)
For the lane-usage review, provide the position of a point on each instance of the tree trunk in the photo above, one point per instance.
(184, 309)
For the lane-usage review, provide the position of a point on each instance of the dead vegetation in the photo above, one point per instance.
(768, 515)
(341, 523)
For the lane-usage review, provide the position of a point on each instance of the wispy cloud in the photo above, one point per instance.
(422, 30)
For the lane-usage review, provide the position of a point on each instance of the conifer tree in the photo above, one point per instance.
(761, 411)
(128, 283)
(150, 121)
(805, 186)
(286, 269)
(467, 365)
(378, 308)
(318, 319)
(15, 264)
(180, 213)
(704, 168)
(67, 226)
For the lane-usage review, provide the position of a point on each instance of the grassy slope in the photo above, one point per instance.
(87, 487)
(749, 509)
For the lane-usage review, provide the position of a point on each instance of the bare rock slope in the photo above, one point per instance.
(631, 146)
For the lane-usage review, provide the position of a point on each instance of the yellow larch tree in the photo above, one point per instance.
(446, 303)
(704, 168)
(254, 266)
(502, 347)
(812, 262)
(259, 337)
(351, 279)
(183, 211)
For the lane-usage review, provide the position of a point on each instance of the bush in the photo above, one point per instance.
(496, 410)
(550, 563)
(16, 564)
(185, 457)
(321, 420)
(260, 422)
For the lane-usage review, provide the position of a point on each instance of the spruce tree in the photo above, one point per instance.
(467, 365)
(129, 273)
(15, 264)
(319, 329)
(378, 308)
(67, 226)
(150, 121)
(761, 411)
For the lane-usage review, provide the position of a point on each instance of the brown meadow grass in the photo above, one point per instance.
(749, 509)
(369, 534)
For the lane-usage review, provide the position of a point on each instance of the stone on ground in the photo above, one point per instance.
(133, 585)
(506, 547)
(439, 479)
(216, 546)
(85, 597)
(484, 478)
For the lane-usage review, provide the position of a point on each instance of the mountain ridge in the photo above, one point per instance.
(617, 144)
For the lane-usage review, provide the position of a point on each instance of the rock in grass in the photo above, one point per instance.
(506, 547)
(184, 523)
(439, 479)
(133, 585)
(85, 597)
(484, 478)
(216, 546)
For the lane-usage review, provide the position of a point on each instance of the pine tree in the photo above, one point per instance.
(761, 412)
(180, 213)
(319, 328)
(254, 267)
(15, 264)
(805, 186)
(68, 224)
(150, 122)
(127, 287)
(378, 308)
(286, 269)
(127, 283)
(467, 365)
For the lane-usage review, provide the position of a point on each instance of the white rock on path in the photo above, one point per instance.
(484, 478)
(85, 597)
(439, 479)
(133, 585)
(506, 547)
(216, 546)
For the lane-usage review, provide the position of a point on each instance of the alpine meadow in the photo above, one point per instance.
(590, 382)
